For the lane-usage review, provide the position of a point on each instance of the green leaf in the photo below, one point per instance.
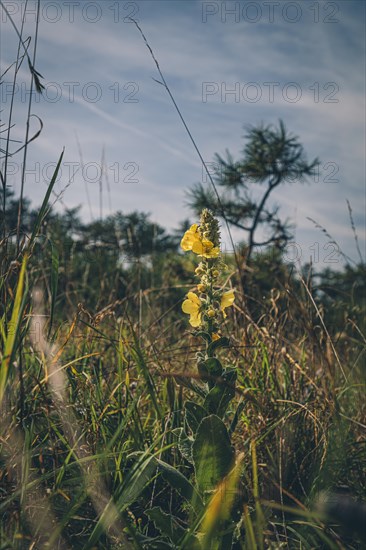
(213, 366)
(212, 453)
(237, 414)
(219, 397)
(178, 481)
(195, 413)
(141, 474)
(138, 355)
(184, 443)
(202, 370)
(209, 370)
(222, 342)
(44, 208)
(13, 328)
(185, 447)
(166, 524)
(177, 433)
(204, 335)
(152, 543)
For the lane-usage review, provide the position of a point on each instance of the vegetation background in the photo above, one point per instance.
(113, 435)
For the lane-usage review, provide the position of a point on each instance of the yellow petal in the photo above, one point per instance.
(192, 240)
(227, 299)
(205, 249)
(187, 241)
(195, 320)
(207, 244)
(189, 307)
(214, 253)
(189, 237)
(197, 247)
(192, 306)
(194, 298)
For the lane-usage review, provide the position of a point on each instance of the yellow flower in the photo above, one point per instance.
(205, 248)
(189, 237)
(227, 300)
(192, 306)
(192, 240)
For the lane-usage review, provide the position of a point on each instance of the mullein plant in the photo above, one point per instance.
(206, 307)
(204, 439)
(206, 310)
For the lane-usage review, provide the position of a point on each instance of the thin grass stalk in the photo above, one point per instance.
(31, 495)
(260, 520)
(165, 85)
(13, 329)
(103, 503)
(10, 118)
(362, 261)
(26, 141)
(324, 327)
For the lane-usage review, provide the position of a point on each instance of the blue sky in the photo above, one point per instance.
(228, 64)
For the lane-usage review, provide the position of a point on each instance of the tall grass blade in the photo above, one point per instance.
(219, 508)
(13, 329)
(54, 284)
(43, 210)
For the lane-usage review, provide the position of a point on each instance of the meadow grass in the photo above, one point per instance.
(92, 452)
(122, 427)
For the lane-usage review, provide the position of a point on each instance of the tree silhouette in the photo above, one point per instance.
(271, 157)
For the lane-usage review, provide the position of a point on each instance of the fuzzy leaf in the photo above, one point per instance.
(166, 524)
(212, 453)
(178, 481)
(222, 342)
(185, 446)
(195, 413)
(170, 528)
(210, 369)
(213, 366)
(184, 443)
(221, 394)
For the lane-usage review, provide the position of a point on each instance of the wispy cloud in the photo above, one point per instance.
(321, 60)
